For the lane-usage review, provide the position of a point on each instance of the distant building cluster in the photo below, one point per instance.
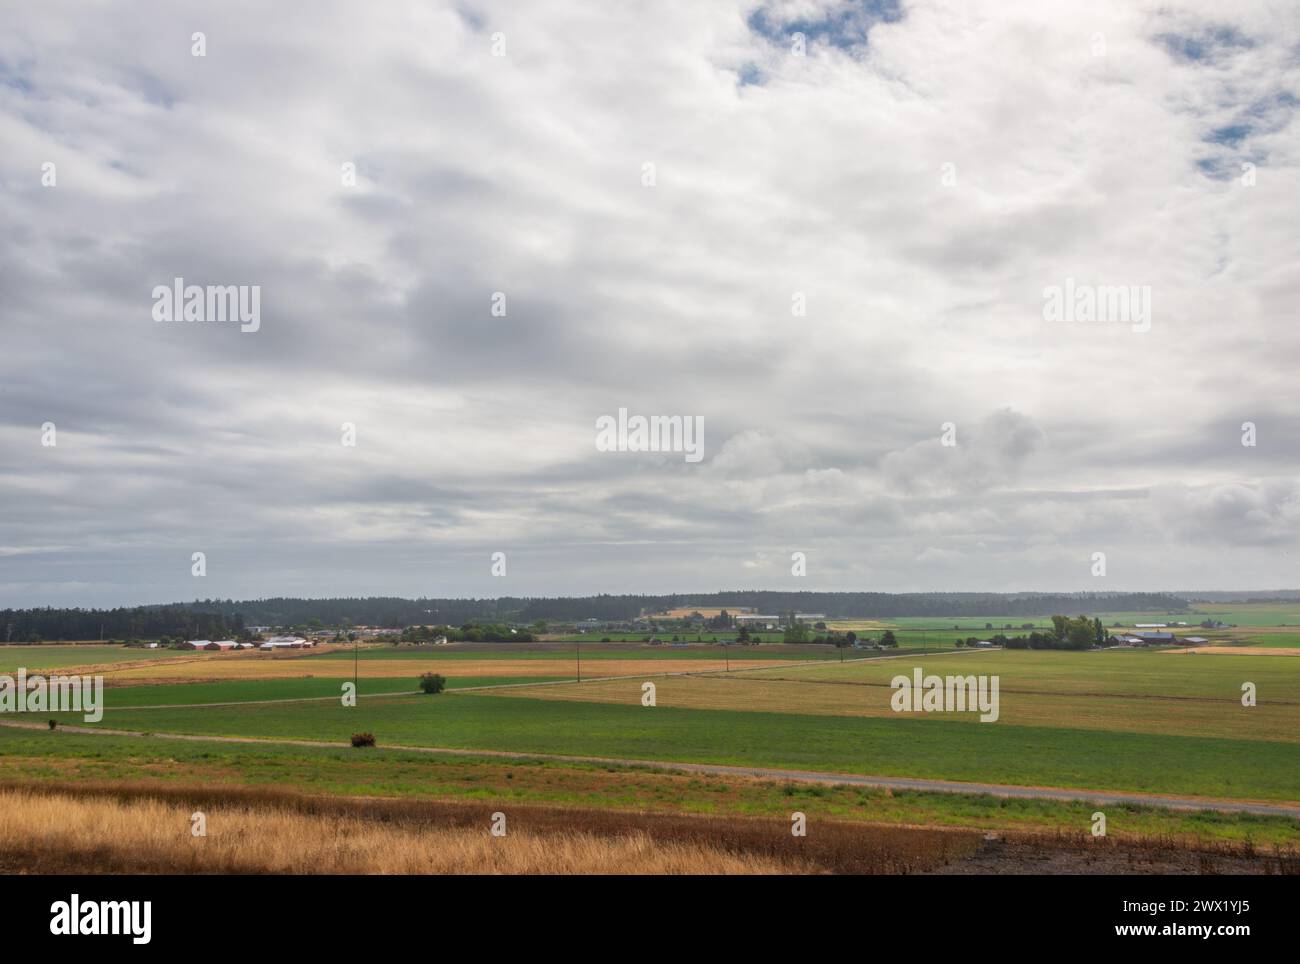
(217, 645)
(287, 642)
(225, 645)
(1155, 638)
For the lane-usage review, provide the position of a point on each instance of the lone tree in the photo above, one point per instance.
(888, 638)
(432, 683)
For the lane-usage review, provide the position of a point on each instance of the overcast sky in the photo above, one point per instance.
(919, 177)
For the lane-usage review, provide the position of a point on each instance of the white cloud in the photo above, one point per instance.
(776, 175)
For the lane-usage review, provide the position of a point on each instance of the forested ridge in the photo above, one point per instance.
(218, 618)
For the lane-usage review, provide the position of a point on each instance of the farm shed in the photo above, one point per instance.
(286, 642)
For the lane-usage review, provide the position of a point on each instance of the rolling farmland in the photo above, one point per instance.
(1146, 722)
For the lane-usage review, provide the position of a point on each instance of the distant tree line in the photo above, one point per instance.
(218, 618)
(469, 633)
(140, 622)
(394, 611)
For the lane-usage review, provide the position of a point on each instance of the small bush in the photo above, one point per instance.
(363, 739)
(432, 683)
(53, 724)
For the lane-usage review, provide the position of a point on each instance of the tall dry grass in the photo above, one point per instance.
(143, 827)
(48, 833)
(831, 846)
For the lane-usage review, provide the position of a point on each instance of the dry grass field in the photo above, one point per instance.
(50, 832)
(124, 829)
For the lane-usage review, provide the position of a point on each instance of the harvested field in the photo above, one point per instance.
(798, 693)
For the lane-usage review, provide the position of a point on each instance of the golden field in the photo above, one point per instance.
(119, 828)
(149, 835)
(1190, 716)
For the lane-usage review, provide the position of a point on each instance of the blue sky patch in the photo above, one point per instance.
(844, 28)
(1205, 46)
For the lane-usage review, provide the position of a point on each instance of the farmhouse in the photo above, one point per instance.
(1127, 639)
(197, 644)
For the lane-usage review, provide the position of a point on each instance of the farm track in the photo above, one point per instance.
(1109, 798)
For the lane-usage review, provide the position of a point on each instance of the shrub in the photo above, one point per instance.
(363, 739)
(53, 724)
(432, 683)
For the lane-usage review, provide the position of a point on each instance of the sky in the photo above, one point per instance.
(829, 233)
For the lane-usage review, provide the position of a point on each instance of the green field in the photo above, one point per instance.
(1242, 614)
(41, 656)
(933, 748)
(1137, 673)
(70, 759)
(239, 691)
